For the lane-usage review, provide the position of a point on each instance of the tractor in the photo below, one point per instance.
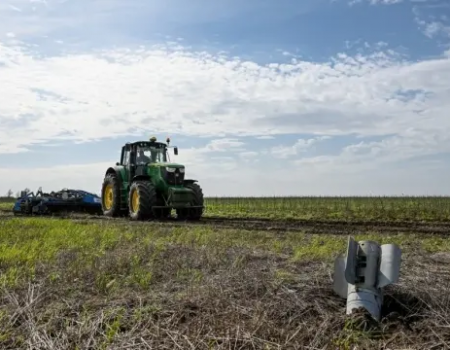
(145, 185)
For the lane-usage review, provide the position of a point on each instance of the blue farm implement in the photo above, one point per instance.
(66, 200)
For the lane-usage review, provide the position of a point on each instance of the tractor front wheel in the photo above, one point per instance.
(141, 199)
(111, 196)
(197, 200)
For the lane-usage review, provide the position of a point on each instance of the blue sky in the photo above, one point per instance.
(262, 97)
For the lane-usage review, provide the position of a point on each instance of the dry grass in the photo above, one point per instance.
(86, 285)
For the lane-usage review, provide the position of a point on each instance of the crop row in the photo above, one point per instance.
(369, 208)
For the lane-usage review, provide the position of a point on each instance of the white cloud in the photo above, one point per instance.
(248, 155)
(392, 155)
(432, 19)
(223, 145)
(301, 145)
(433, 28)
(14, 8)
(376, 2)
(385, 2)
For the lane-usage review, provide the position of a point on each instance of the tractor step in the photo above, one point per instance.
(123, 199)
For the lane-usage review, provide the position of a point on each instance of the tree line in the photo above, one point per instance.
(10, 192)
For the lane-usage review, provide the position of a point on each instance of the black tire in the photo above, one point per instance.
(114, 210)
(192, 213)
(147, 200)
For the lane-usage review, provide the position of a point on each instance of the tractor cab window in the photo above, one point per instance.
(150, 155)
(125, 160)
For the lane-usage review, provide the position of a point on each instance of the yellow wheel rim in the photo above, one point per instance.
(134, 201)
(108, 196)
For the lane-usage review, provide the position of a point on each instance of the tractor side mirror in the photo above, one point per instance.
(175, 151)
(117, 163)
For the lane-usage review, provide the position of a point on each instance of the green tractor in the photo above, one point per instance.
(146, 185)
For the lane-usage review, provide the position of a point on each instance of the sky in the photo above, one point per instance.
(262, 98)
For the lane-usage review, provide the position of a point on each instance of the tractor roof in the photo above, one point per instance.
(146, 143)
(152, 142)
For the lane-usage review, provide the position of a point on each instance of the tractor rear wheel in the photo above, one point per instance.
(192, 213)
(111, 196)
(141, 200)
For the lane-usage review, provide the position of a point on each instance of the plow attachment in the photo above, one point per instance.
(66, 200)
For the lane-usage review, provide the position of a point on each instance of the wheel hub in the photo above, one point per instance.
(108, 197)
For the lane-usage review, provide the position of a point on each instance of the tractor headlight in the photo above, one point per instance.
(170, 170)
(181, 170)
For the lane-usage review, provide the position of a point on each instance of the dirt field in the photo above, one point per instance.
(84, 282)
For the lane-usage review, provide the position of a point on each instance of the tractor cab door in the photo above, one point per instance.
(139, 160)
(126, 163)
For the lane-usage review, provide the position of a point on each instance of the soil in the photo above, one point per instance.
(279, 225)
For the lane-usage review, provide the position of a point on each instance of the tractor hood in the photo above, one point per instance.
(169, 165)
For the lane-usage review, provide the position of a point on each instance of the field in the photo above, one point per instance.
(254, 274)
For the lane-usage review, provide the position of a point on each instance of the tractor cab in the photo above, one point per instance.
(146, 152)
